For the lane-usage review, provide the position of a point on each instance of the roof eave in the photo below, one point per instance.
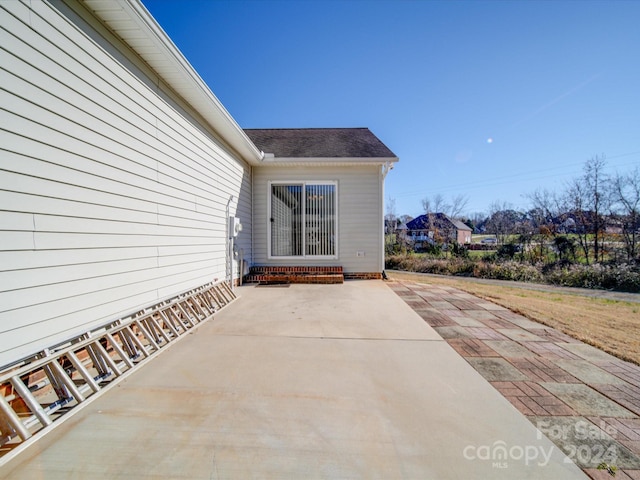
(351, 161)
(162, 55)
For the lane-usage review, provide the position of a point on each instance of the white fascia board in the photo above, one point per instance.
(175, 70)
(341, 161)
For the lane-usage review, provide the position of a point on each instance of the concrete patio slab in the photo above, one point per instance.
(313, 381)
(328, 311)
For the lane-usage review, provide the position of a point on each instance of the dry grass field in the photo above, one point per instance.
(611, 325)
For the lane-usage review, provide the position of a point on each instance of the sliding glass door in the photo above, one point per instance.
(303, 219)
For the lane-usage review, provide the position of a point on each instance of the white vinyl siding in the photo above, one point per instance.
(112, 191)
(359, 215)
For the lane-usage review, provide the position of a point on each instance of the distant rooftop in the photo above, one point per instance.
(434, 220)
(319, 143)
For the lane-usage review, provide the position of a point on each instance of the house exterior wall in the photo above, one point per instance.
(113, 192)
(359, 215)
(460, 236)
(464, 236)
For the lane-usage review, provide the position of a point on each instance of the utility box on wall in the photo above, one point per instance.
(235, 227)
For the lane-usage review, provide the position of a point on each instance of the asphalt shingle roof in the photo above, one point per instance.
(434, 220)
(461, 225)
(319, 143)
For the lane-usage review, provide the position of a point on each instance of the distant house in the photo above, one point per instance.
(436, 228)
(463, 232)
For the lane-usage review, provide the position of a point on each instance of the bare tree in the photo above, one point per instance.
(458, 205)
(625, 191)
(477, 219)
(402, 219)
(438, 204)
(545, 209)
(576, 201)
(595, 181)
(587, 197)
(426, 205)
(502, 221)
(390, 219)
(435, 204)
(544, 216)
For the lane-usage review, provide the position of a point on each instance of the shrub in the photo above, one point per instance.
(619, 277)
(424, 264)
(458, 250)
(516, 271)
(624, 277)
(432, 249)
(508, 250)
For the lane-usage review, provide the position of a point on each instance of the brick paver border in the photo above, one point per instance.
(449, 311)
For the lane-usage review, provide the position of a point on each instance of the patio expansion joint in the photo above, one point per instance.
(317, 337)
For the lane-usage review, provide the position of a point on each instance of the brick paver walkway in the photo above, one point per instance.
(585, 400)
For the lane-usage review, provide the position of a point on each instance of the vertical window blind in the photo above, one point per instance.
(303, 220)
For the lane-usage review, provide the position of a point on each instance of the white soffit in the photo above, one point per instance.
(133, 23)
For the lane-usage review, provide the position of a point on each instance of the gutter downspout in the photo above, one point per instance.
(253, 204)
(253, 220)
(229, 254)
(386, 168)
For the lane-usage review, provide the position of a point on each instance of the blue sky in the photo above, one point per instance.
(489, 99)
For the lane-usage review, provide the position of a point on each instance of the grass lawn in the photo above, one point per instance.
(611, 325)
(480, 254)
